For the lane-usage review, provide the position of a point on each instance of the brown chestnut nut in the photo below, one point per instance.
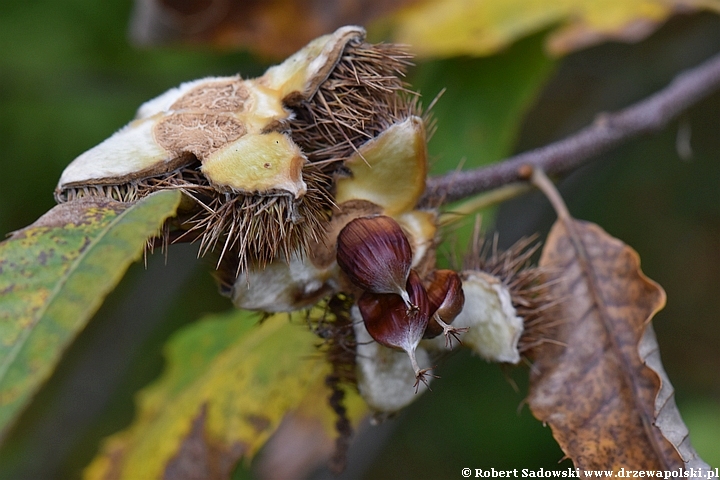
(392, 324)
(376, 255)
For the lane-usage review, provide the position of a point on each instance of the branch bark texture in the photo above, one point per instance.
(608, 131)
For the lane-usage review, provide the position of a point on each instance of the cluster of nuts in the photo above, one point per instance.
(397, 307)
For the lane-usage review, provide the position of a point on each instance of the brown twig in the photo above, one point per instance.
(607, 131)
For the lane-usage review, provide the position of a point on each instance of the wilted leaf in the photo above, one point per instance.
(229, 383)
(604, 394)
(273, 28)
(445, 28)
(54, 275)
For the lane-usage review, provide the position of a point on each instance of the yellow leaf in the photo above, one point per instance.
(463, 27)
(229, 384)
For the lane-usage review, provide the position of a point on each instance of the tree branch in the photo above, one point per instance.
(607, 131)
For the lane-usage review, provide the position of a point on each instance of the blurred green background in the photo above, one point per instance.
(69, 78)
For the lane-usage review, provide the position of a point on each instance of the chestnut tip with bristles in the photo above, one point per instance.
(446, 297)
(390, 323)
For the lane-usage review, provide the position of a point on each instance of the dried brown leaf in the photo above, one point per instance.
(605, 394)
(274, 28)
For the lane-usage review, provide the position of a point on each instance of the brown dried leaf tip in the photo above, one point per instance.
(258, 157)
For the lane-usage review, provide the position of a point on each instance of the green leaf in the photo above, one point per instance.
(229, 383)
(54, 275)
(481, 111)
(485, 100)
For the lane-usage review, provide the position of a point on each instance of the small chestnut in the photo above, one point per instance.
(446, 297)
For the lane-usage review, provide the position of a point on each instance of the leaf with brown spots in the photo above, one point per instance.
(604, 394)
(55, 274)
(229, 383)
